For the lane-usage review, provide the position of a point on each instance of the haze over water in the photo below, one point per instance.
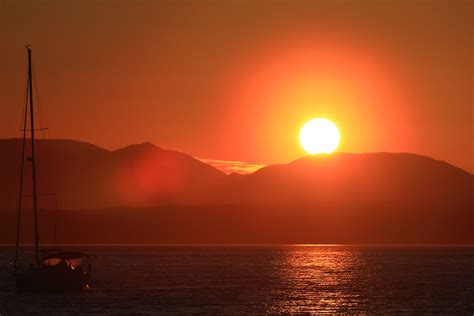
(262, 279)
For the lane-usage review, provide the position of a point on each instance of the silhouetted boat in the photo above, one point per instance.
(59, 271)
(56, 271)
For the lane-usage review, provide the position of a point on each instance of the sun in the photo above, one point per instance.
(319, 136)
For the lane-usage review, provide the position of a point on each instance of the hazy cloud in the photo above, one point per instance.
(228, 166)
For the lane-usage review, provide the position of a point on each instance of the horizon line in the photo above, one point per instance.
(252, 245)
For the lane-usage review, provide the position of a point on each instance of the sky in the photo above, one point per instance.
(235, 80)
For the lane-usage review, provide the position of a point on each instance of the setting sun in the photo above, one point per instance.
(319, 136)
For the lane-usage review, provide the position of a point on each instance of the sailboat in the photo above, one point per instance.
(56, 270)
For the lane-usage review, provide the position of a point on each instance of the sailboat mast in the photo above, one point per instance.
(33, 162)
(20, 196)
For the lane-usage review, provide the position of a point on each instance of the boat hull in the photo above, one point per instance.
(51, 280)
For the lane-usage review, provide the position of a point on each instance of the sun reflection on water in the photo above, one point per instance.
(318, 279)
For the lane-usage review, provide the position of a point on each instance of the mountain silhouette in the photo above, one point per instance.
(354, 178)
(86, 176)
(146, 194)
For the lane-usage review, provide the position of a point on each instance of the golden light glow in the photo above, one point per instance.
(319, 136)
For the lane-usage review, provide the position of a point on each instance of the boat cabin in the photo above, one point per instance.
(66, 260)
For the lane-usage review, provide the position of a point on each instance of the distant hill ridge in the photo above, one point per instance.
(86, 176)
(146, 194)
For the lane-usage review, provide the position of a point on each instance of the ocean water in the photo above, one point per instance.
(260, 279)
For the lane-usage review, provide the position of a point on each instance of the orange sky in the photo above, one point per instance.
(235, 80)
